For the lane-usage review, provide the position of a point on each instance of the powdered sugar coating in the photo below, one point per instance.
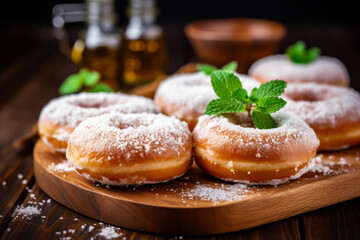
(323, 106)
(130, 142)
(262, 142)
(325, 69)
(61, 115)
(72, 109)
(187, 95)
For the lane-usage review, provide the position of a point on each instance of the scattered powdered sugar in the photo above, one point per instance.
(61, 167)
(323, 165)
(109, 232)
(323, 106)
(217, 194)
(188, 94)
(325, 69)
(26, 212)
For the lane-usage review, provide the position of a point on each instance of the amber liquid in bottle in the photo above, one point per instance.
(99, 47)
(145, 60)
(145, 51)
(105, 60)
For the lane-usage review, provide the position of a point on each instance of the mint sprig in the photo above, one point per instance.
(86, 80)
(234, 98)
(209, 69)
(297, 53)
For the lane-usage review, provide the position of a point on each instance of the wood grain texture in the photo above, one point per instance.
(163, 210)
(58, 222)
(333, 222)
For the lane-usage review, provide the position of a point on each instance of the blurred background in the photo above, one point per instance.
(331, 25)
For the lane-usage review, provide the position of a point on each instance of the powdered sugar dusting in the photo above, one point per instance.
(61, 167)
(217, 194)
(213, 129)
(131, 134)
(184, 94)
(72, 109)
(323, 106)
(325, 69)
(68, 112)
(325, 165)
(109, 233)
(26, 212)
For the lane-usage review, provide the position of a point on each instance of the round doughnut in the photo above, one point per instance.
(333, 112)
(325, 70)
(62, 115)
(227, 148)
(127, 149)
(186, 96)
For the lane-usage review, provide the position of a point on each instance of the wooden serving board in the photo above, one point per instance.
(197, 203)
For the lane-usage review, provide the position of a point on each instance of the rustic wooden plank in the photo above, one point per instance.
(285, 229)
(15, 76)
(23, 110)
(54, 221)
(350, 211)
(340, 221)
(16, 173)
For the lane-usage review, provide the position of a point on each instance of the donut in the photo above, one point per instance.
(325, 70)
(62, 115)
(332, 111)
(127, 149)
(186, 96)
(227, 148)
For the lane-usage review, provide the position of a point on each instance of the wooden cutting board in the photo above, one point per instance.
(197, 203)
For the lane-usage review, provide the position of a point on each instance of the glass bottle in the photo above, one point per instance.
(145, 51)
(99, 47)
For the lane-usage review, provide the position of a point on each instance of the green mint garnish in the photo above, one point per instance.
(83, 80)
(234, 98)
(209, 69)
(298, 53)
(100, 87)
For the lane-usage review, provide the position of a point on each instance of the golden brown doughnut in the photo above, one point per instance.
(226, 148)
(62, 115)
(186, 96)
(126, 149)
(333, 112)
(325, 70)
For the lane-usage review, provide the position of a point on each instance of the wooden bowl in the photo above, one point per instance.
(244, 40)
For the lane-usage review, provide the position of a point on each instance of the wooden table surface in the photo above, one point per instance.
(31, 70)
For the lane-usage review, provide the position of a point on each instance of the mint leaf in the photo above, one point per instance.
(270, 89)
(312, 54)
(297, 53)
(72, 84)
(233, 98)
(262, 120)
(91, 78)
(232, 66)
(270, 104)
(224, 83)
(241, 95)
(219, 106)
(101, 87)
(206, 68)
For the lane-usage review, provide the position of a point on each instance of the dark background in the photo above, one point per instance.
(287, 11)
(334, 26)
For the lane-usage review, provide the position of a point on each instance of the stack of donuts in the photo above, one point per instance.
(118, 139)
